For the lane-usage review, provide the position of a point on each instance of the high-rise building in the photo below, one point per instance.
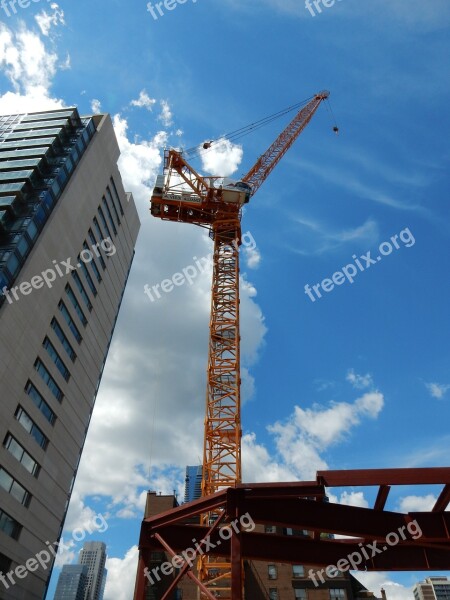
(193, 483)
(67, 237)
(432, 588)
(93, 555)
(71, 583)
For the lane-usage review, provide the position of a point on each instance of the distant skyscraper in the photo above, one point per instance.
(433, 588)
(93, 555)
(67, 237)
(193, 483)
(72, 583)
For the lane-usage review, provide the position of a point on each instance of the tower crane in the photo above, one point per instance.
(181, 194)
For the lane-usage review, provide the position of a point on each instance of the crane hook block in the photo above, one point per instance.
(336, 129)
(207, 145)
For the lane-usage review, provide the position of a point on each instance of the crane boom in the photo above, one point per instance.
(272, 156)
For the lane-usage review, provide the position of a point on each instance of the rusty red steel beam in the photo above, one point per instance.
(361, 523)
(443, 501)
(382, 496)
(408, 555)
(367, 477)
(189, 510)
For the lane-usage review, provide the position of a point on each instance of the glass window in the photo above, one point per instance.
(51, 383)
(270, 529)
(98, 229)
(111, 220)
(13, 487)
(88, 277)
(73, 328)
(13, 446)
(272, 571)
(40, 402)
(56, 358)
(300, 593)
(112, 203)
(81, 289)
(94, 243)
(337, 594)
(63, 339)
(105, 225)
(9, 525)
(298, 571)
(76, 304)
(273, 593)
(93, 263)
(5, 563)
(31, 427)
(116, 195)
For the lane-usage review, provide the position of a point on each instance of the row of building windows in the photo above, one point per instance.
(297, 571)
(302, 594)
(19, 452)
(40, 402)
(13, 487)
(30, 426)
(67, 149)
(63, 339)
(56, 358)
(51, 383)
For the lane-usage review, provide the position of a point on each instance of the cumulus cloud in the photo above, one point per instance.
(437, 390)
(30, 69)
(301, 438)
(417, 503)
(223, 158)
(144, 101)
(121, 575)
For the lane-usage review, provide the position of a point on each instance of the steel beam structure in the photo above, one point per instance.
(389, 540)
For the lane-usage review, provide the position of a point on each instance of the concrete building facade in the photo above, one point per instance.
(432, 588)
(67, 238)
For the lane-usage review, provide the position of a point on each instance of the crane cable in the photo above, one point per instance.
(243, 131)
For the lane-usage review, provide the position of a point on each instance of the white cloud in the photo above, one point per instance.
(121, 575)
(166, 114)
(96, 106)
(307, 433)
(438, 390)
(359, 381)
(417, 503)
(323, 238)
(46, 20)
(30, 69)
(374, 581)
(144, 101)
(252, 257)
(223, 158)
(353, 499)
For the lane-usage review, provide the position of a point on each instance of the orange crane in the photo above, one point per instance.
(183, 195)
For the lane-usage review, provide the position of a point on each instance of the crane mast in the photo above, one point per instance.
(183, 195)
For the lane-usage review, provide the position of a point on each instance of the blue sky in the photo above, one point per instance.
(358, 378)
